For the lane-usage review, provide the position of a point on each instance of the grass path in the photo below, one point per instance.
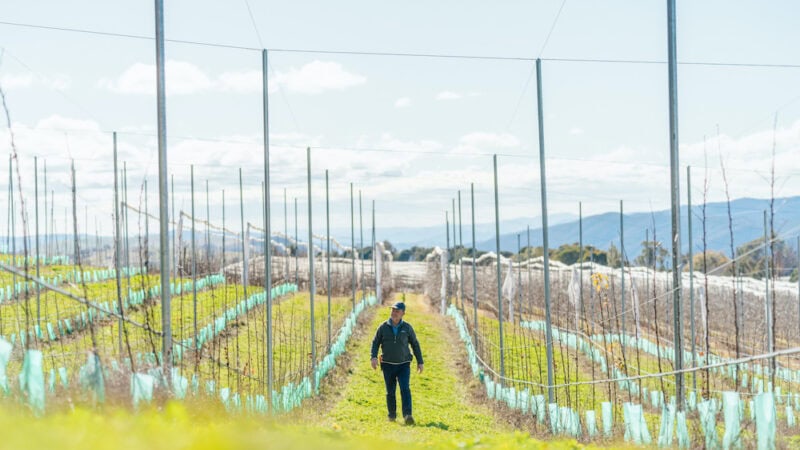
(442, 408)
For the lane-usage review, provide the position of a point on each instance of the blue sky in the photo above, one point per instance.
(409, 131)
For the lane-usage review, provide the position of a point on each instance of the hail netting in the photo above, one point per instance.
(608, 382)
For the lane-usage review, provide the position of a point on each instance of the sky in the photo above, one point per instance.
(408, 131)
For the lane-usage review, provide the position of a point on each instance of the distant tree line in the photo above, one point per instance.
(750, 255)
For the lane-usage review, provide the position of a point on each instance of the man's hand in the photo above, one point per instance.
(419, 368)
(374, 363)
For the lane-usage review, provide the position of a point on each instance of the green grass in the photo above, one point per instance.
(446, 413)
(525, 360)
(199, 425)
(447, 417)
(441, 408)
(71, 351)
(242, 346)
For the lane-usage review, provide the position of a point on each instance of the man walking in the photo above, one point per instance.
(394, 336)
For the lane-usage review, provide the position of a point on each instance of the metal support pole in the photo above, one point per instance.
(286, 230)
(767, 303)
(545, 245)
(474, 269)
(36, 214)
(194, 278)
(691, 273)
(85, 230)
(375, 256)
(455, 248)
(117, 248)
(267, 227)
(622, 270)
(146, 230)
(353, 244)
(461, 243)
(499, 280)
(12, 213)
(674, 164)
(175, 239)
(216, 347)
(208, 231)
(361, 242)
(9, 213)
(530, 279)
(328, 252)
(46, 231)
(580, 261)
(447, 265)
(245, 278)
(125, 213)
(76, 241)
(161, 101)
(518, 292)
(245, 273)
(311, 285)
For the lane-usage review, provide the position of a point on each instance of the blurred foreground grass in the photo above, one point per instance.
(187, 426)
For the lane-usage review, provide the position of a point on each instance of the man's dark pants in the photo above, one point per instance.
(392, 375)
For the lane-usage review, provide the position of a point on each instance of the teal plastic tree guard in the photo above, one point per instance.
(608, 421)
(591, 423)
(765, 420)
(708, 422)
(540, 406)
(51, 381)
(142, 388)
(682, 430)
(180, 384)
(644, 432)
(731, 404)
(32, 380)
(91, 377)
(5, 356)
(552, 409)
(667, 426)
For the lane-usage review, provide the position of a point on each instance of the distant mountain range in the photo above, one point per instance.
(404, 237)
(601, 230)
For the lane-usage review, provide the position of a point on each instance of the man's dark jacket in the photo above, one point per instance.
(395, 348)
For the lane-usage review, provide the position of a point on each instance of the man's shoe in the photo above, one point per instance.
(409, 420)
(391, 418)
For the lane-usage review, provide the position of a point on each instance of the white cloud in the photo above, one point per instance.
(576, 131)
(448, 95)
(13, 81)
(402, 102)
(181, 78)
(244, 82)
(487, 141)
(401, 171)
(58, 122)
(186, 78)
(20, 81)
(318, 76)
(59, 82)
